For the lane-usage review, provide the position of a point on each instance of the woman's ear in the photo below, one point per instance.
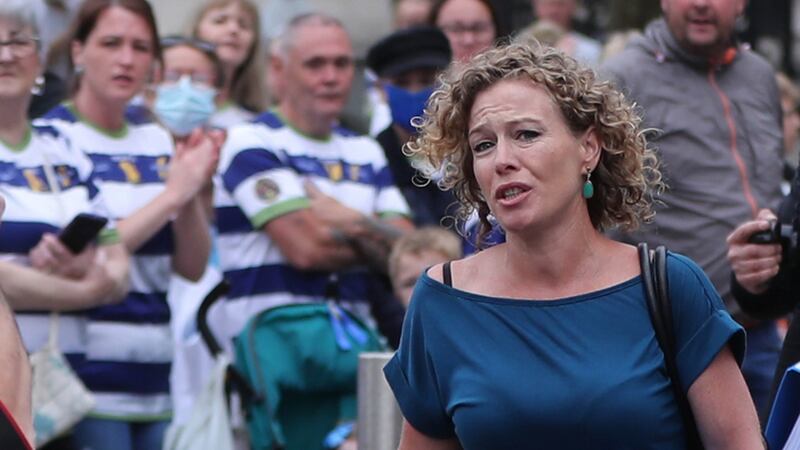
(590, 146)
(76, 52)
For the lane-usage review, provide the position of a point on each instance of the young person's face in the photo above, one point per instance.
(231, 29)
(409, 268)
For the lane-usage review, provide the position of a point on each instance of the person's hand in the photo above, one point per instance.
(51, 256)
(98, 284)
(193, 163)
(329, 210)
(754, 265)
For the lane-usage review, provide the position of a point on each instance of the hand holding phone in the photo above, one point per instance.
(82, 230)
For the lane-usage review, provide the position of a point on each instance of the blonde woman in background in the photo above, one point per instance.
(234, 28)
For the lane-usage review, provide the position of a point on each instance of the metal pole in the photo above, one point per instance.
(379, 417)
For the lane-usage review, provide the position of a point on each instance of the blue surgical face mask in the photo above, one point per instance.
(406, 105)
(184, 106)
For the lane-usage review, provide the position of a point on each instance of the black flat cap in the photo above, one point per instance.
(411, 48)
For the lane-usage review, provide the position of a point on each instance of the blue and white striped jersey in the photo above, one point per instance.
(260, 178)
(129, 350)
(34, 207)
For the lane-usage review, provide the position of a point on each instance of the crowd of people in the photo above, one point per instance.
(502, 178)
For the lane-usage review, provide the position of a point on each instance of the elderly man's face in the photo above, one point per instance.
(319, 71)
(703, 27)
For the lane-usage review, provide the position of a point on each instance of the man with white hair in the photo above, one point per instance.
(305, 203)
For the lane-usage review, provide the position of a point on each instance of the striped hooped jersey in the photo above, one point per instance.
(129, 344)
(34, 207)
(261, 172)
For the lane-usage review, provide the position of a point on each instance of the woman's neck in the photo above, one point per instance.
(557, 255)
(109, 117)
(224, 93)
(14, 126)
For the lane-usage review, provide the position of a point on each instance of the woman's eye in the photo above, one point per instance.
(142, 47)
(482, 146)
(111, 42)
(527, 135)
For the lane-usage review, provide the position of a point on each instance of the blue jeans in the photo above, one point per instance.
(106, 434)
(760, 360)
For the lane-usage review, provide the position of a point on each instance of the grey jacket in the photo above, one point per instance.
(719, 136)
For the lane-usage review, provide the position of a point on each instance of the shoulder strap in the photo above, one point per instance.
(654, 278)
(447, 274)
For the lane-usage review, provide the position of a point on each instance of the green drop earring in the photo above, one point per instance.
(588, 187)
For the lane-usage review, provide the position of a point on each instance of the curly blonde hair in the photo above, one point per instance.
(626, 174)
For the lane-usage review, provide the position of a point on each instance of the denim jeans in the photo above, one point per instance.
(107, 434)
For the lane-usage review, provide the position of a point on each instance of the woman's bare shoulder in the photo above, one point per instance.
(436, 272)
(463, 268)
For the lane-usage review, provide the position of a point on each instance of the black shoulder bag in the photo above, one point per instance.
(654, 278)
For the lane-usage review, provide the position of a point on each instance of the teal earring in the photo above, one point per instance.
(588, 187)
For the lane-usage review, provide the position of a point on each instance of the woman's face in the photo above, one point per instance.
(468, 26)
(117, 56)
(19, 60)
(231, 29)
(528, 164)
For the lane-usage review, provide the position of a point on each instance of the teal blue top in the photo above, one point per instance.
(583, 372)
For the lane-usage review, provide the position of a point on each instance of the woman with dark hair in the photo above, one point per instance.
(539, 342)
(471, 26)
(151, 188)
(233, 27)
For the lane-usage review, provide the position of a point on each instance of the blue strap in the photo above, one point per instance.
(353, 329)
(335, 315)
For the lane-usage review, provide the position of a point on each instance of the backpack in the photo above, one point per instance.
(302, 362)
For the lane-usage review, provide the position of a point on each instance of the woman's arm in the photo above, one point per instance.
(192, 241)
(411, 439)
(105, 281)
(15, 378)
(723, 408)
(190, 169)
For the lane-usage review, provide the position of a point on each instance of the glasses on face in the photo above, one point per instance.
(173, 76)
(476, 28)
(20, 46)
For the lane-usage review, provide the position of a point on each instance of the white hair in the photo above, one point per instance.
(285, 40)
(21, 12)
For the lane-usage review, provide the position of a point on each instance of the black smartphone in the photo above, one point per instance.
(83, 229)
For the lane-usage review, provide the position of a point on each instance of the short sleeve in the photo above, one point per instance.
(413, 380)
(702, 324)
(97, 202)
(389, 202)
(109, 234)
(262, 184)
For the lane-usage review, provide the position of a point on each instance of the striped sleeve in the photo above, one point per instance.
(257, 176)
(389, 201)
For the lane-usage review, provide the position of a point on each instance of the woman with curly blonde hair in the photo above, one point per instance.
(545, 341)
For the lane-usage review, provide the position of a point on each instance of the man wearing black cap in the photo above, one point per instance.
(407, 63)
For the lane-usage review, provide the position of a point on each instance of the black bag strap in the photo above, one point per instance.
(447, 274)
(654, 279)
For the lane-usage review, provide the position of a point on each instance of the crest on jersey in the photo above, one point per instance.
(267, 189)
